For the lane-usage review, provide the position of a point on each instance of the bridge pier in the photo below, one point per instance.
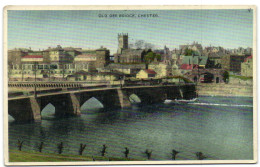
(123, 99)
(25, 110)
(65, 105)
(75, 104)
(68, 103)
(36, 109)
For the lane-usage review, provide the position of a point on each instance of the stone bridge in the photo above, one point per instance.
(68, 103)
(216, 73)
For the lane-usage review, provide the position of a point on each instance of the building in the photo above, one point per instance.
(195, 46)
(165, 53)
(103, 57)
(122, 42)
(72, 51)
(61, 63)
(191, 62)
(206, 75)
(130, 56)
(31, 67)
(86, 62)
(129, 70)
(162, 69)
(213, 49)
(99, 77)
(125, 54)
(232, 63)
(92, 60)
(15, 56)
(146, 74)
(247, 67)
(215, 59)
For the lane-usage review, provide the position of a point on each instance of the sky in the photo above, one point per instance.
(90, 29)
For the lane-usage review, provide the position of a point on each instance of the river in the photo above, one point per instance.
(219, 127)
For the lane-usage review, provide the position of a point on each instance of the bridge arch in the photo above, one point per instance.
(49, 109)
(91, 103)
(10, 118)
(134, 98)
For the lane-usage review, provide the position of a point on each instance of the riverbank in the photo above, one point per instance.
(26, 156)
(222, 89)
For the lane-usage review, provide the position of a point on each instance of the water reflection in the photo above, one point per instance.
(216, 131)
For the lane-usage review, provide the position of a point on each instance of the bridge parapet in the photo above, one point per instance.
(69, 102)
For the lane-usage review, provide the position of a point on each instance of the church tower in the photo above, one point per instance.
(122, 42)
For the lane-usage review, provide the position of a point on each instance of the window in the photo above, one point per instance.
(40, 66)
(53, 66)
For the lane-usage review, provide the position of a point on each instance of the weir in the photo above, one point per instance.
(68, 103)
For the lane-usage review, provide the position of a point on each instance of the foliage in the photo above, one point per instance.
(26, 156)
(148, 46)
(151, 56)
(241, 77)
(189, 52)
(226, 76)
(139, 44)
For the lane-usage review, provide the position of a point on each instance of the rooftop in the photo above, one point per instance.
(86, 55)
(149, 71)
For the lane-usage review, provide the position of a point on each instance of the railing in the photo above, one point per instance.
(80, 87)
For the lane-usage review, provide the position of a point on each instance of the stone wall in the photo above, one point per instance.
(209, 89)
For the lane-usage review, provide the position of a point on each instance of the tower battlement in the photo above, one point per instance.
(122, 34)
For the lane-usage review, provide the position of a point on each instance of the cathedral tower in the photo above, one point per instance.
(122, 42)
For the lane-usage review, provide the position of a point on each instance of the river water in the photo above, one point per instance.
(219, 127)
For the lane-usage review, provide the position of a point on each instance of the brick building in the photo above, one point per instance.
(232, 63)
(247, 67)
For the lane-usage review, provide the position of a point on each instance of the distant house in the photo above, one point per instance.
(192, 62)
(247, 67)
(195, 46)
(32, 59)
(162, 69)
(130, 70)
(215, 59)
(85, 62)
(145, 74)
(130, 56)
(232, 62)
(95, 76)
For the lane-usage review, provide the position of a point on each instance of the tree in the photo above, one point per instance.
(139, 44)
(188, 52)
(130, 46)
(158, 57)
(150, 56)
(148, 46)
(225, 76)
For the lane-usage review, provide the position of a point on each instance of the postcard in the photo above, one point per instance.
(111, 85)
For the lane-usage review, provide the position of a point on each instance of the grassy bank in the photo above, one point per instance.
(241, 77)
(26, 156)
